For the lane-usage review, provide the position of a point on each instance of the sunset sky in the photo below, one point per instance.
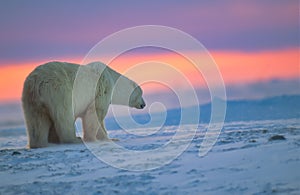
(255, 43)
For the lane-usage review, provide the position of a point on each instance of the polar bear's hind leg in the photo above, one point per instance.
(65, 130)
(53, 137)
(37, 129)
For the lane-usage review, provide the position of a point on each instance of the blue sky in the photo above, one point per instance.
(35, 29)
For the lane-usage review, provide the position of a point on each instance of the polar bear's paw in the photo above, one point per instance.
(114, 139)
(78, 140)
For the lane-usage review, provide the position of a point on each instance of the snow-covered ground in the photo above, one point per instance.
(245, 160)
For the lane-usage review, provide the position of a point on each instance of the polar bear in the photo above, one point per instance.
(55, 94)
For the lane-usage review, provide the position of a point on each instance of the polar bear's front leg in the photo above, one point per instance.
(90, 124)
(102, 133)
(101, 109)
(93, 128)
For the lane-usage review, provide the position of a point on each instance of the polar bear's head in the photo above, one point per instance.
(123, 90)
(126, 92)
(136, 100)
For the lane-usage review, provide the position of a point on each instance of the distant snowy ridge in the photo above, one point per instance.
(280, 107)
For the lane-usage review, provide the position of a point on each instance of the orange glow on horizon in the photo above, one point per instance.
(254, 67)
(236, 68)
(11, 81)
(12, 77)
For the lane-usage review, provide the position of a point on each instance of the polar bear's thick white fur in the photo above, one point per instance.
(55, 94)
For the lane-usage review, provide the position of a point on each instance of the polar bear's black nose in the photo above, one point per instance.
(143, 105)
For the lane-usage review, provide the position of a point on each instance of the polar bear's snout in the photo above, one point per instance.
(143, 104)
(140, 103)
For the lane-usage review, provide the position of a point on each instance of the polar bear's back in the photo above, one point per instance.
(56, 71)
(50, 78)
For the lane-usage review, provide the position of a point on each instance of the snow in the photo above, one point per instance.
(243, 161)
